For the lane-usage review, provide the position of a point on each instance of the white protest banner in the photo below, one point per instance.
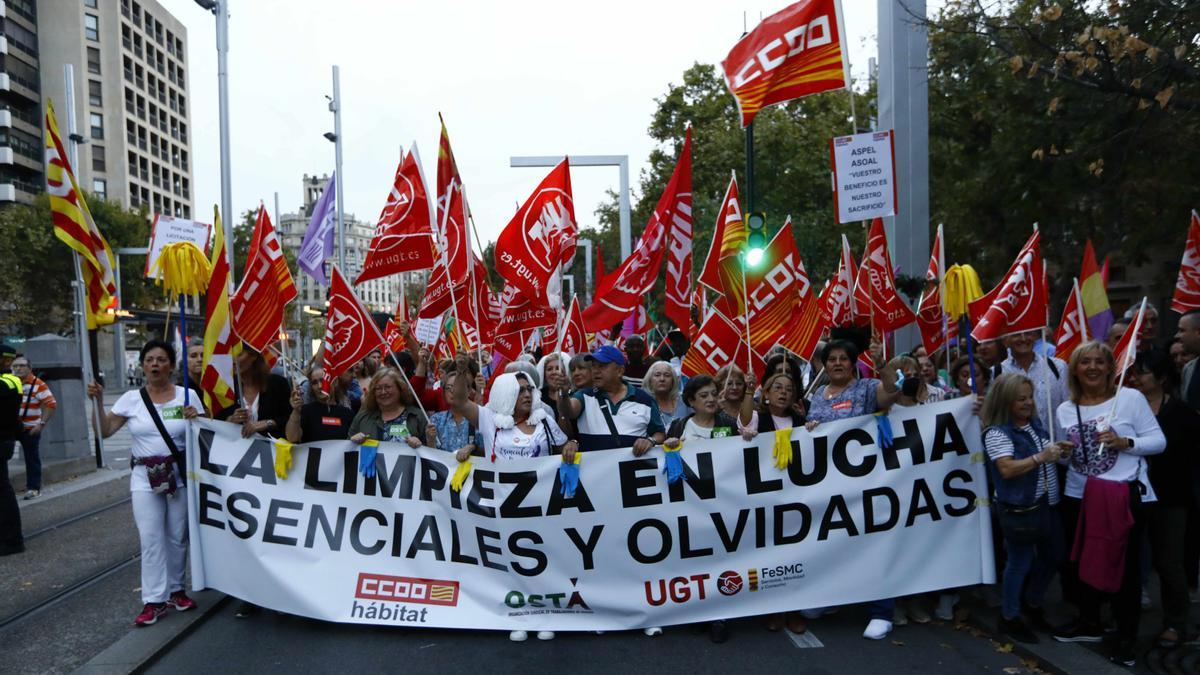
(864, 175)
(427, 330)
(170, 230)
(847, 522)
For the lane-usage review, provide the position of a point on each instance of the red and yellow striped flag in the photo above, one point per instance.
(221, 346)
(73, 225)
(722, 268)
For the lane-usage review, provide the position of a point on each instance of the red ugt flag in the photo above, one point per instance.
(888, 309)
(540, 240)
(1019, 303)
(266, 287)
(453, 237)
(931, 316)
(1187, 287)
(679, 255)
(403, 238)
(1127, 347)
(623, 289)
(1072, 330)
(839, 294)
(574, 338)
(350, 333)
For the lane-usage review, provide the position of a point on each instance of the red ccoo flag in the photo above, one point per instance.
(679, 261)
(931, 316)
(774, 287)
(265, 290)
(539, 241)
(1187, 287)
(1019, 303)
(715, 346)
(793, 53)
(623, 288)
(350, 332)
(1072, 330)
(403, 238)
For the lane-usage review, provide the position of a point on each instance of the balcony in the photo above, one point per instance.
(3, 44)
(8, 191)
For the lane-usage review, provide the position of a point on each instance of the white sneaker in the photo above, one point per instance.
(545, 635)
(518, 636)
(652, 631)
(877, 629)
(945, 606)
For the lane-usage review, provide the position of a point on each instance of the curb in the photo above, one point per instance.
(57, 471)
(1087, 661)
(142, 647)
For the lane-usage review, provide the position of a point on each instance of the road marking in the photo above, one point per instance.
(805, 640)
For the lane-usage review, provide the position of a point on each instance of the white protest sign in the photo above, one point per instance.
(846, 522)
(427, 330)
(171, 230)
(864, 176)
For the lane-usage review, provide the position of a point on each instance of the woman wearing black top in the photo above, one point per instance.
(778, 407)
(266, 397)
(318, 415)
(1171, 476)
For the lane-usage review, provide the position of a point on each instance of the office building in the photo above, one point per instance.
(21, 154)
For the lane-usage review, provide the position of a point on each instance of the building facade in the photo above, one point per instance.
(378, 295)
(131, 98)
(21, 155)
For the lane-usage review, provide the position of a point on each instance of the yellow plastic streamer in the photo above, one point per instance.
(182, 269)
(962, 286)
(460, 476)
(578, 456)
(783, 448)
(283, 458)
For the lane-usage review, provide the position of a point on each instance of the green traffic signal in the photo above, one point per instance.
(756, 238)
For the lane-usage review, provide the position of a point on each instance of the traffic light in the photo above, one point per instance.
(756, 238)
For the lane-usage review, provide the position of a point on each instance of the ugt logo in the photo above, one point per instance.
(547, 224)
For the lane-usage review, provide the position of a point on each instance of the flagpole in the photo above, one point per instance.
(475, 305)
(1081, 315)
(81, 329)
(1131, 349)
(1049, 400)
(446, 258)
(942, 295)
(746, 317)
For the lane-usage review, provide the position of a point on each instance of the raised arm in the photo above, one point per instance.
(459, 402)
(109, 423)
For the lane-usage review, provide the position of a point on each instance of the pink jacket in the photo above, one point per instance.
(1102, 534)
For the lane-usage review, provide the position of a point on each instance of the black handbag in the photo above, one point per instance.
(1022, 524)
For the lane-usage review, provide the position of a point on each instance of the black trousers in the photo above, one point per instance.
(1126, 603)
(10, 513)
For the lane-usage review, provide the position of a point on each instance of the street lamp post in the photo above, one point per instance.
(220, 8)
(619, 161)
(335, 107)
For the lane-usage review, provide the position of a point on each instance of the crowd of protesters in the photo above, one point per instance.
(1080, 470)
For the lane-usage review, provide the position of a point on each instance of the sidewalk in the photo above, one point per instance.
(72, 471)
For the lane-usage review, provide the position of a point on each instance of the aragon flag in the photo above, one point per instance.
(403, 239)
(221, 346)
(74, 226)
(539, 241)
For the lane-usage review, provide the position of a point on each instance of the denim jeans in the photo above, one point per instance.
(1037, 562)
(33, 459)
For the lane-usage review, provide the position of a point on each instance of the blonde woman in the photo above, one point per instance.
(389, 412)
(1025, 482)
(1113, 431)
(663, 384)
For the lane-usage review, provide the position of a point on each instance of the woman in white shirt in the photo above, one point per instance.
(1113, 430)
(511, 425)
(159, 502)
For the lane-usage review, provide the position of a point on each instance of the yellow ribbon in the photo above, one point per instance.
(783, 448)
(460, 476)
(283, 458)
(182, 269)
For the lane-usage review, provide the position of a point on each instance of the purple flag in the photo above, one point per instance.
(318, 238)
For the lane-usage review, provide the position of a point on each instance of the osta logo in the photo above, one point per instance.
(729, 583)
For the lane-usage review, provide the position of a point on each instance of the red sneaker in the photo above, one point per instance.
(181, 602)
(150, 613)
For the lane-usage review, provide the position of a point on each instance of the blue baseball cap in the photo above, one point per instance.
(607, 354)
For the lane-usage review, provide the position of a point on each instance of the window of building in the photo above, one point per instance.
(93, 60)
(91, 27)
(97, 122)
(98, 163)
(94, 4)
(100, 187)
(94, 93)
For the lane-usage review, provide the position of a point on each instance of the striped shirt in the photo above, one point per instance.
(998, 445)
(31, 405)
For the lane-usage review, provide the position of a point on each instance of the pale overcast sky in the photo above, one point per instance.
(512, 78)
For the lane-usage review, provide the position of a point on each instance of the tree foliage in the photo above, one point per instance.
(36, 289)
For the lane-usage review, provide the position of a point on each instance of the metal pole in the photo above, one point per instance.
(619, 161)
(623, 203)
(587, 267)
(336, 107)
(750, 168)
(222, 12)
(87, 368)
